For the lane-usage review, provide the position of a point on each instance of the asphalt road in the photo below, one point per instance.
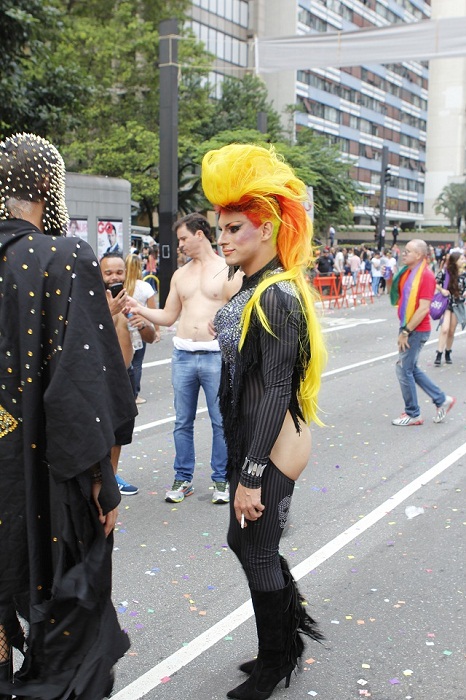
(386, 582)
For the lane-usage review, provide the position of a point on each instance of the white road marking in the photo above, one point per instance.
(162, 421)
(344, 324)
(156, 363)
(151, 679)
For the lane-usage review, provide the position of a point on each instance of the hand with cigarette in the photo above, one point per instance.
(247, 504)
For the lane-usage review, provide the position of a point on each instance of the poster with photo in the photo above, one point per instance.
(109, 237)
(77, 227)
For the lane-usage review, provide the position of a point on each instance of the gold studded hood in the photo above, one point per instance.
(32, 170)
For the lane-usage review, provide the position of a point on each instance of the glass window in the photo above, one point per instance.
(229, 9)
(243, 54)
(204, 35)
(220, 45)
(244, 15)
(332, 114)
(212, 43)
(235, 51)
(196, 27)
(365, 126)
(236, 11)
(213, 6)
(221, 8)
(227, 40)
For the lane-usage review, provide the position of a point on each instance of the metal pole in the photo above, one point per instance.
(168, 168)
(262, 122)
(383, 196)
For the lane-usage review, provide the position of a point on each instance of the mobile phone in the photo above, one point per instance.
(116, 288)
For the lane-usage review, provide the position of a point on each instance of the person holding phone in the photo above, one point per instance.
(113, 269)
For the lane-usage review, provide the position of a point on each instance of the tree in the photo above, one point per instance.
(320, 164)
(451, 202)
(239, 106)
(38, 93)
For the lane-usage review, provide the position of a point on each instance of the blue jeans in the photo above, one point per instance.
(409, 375)
(375, 285)
(190, 371)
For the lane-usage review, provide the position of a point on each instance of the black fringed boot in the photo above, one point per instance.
(438, 359)
(280, 616)
(448, 357)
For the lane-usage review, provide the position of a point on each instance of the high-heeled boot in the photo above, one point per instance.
(6, 674)
(304, 623)
(279, 616)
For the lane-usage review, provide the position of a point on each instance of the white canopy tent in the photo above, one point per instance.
(418, 41)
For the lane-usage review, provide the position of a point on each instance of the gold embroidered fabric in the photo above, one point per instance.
(7, 422)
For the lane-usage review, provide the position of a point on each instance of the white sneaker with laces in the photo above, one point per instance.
(179, 491)
(404, 420)
(443, 409)
(221, 492)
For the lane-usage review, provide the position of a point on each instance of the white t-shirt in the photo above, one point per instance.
(143, 291)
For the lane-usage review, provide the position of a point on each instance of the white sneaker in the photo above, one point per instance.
(404, 420)
(221, 492)
(180, 490)
(443, 409)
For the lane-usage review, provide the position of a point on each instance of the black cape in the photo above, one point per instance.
(64, 390)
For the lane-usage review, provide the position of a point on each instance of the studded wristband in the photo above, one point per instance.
(251, 473)
(253, 468)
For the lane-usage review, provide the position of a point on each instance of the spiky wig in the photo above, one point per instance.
(257, 182)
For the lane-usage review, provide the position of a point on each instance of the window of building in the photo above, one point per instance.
(365, 126)
(304, 16)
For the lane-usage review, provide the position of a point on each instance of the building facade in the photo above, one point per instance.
(446, 124)
(361, 109)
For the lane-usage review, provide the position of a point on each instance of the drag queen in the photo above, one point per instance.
(273, 356)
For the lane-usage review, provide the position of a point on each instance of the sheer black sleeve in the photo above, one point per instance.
(271, 396)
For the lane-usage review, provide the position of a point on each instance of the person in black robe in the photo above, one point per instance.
(64, 390)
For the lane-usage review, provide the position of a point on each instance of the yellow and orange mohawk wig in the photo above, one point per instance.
(257, 182)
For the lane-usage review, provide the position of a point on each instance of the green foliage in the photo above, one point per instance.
(239, 105)
(451, 202)
(39, 94)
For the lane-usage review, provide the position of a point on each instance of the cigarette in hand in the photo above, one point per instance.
(242, 521)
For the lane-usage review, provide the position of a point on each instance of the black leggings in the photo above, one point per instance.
(256, 546)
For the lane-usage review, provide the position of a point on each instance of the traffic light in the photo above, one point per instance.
(387, 176)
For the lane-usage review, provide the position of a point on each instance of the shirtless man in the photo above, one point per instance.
(197, 290)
